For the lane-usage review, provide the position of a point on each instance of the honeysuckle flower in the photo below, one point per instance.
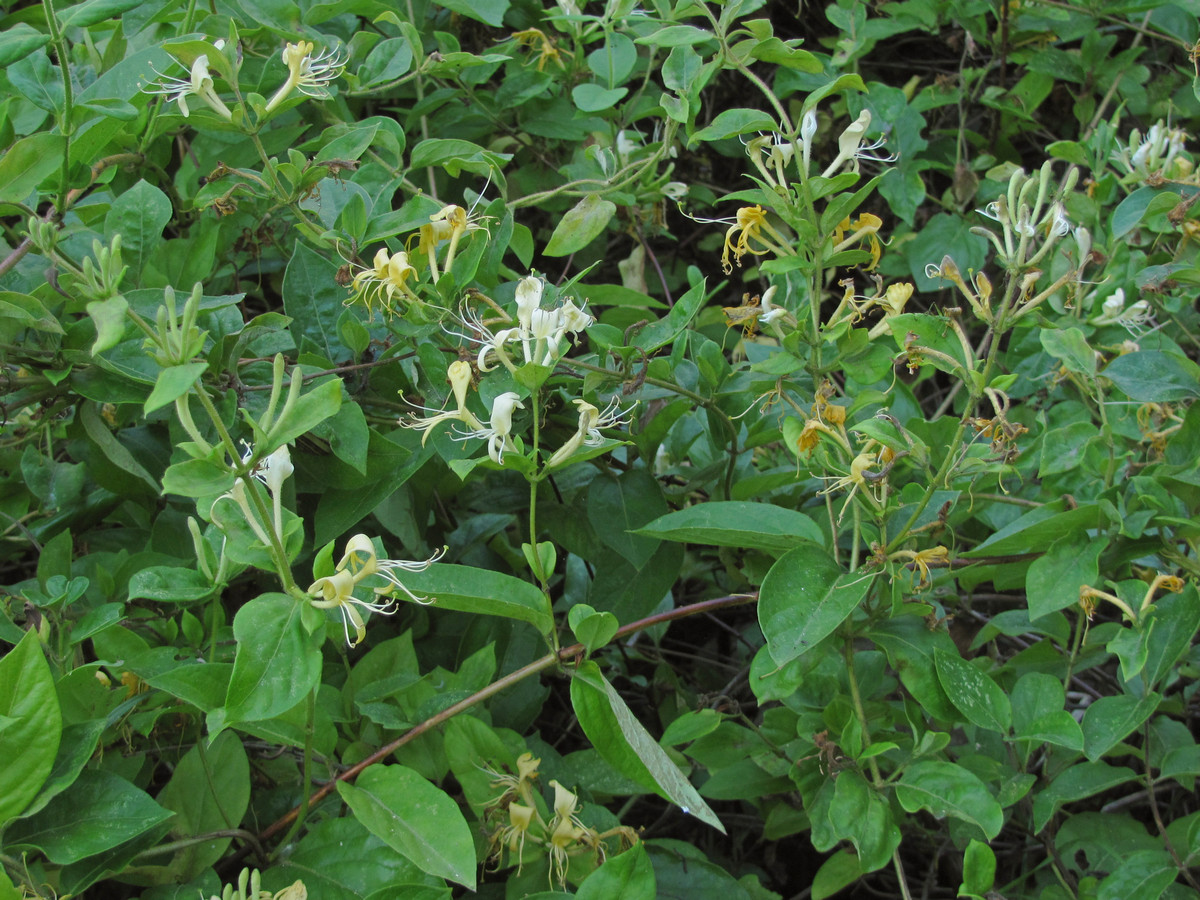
(336, 591)
(449, 223)
(459, 374)
(770, 154)
(770, 313)
(1136, 318)
(575, 319)
(751, 224)
(308, 74)
(808, 130)
(386, 279)
(536, 39)
(923, 560)
(866, 226)
(359, 562)
(199, 84)
(674, 190)
(498, 434)
(587, 434)
(852, 149)
(1153, 153)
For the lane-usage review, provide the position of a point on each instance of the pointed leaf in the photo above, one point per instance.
(410, 815)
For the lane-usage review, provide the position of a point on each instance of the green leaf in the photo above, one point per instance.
(735, 523)
(976, 695)
(1154, 376)
(1144, 874)
(1040, 528)
(581, 224)
(733, 122)
(1039, 713)
(805, 596)
(618, 508)
(208, 791)
(910, 646)
(277, 663)
(840, 870)
(1079, 781)
(1176, 619)
(100, 811)
(27, 163)
(114, 451)
(626, 745)
(946, 789)
(313, 300)
(490, 12)
(859, 813)
(473, 590)
(629, 876)
(109, 318)
(659, 334)
(173, 382)
(28, 311)
(1130, 212)
(17, 42)
(773, 50)
(1111, 719)
(1053, 581)
(169, 584)
(410, 815)
(592, 629)
(30, 725)
(979, 868)
(1071, 347)
(310, 410)
(594, 98)
(676, 36)
(139, 216)
(92, 12)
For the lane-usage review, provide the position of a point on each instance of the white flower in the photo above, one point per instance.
(359, 562)
(852, 148)
(591, 420)
(498, 434)
(308, 74)
(459, 374)
(770, 313)
(199, 84)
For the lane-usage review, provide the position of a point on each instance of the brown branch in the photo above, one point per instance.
(546, 662)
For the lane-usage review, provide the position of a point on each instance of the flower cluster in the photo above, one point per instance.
(540, 332)
(358, 564)
(1158, 153)
(515, 817)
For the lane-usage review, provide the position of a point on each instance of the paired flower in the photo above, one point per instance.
(386, 279)
(199, 84)
(1136, 318)
(359, 562)
(271, 471)
(308, 74)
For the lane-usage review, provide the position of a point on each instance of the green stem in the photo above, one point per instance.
(310, 728)
(65, 121)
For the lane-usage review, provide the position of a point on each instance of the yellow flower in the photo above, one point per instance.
(449, 223)
(750, 224)
(387, 278)
(865, 226)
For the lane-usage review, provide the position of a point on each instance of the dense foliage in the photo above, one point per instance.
(685, 450)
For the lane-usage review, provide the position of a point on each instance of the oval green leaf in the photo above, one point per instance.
(581, 225)
(804, 597)
(415, 818)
